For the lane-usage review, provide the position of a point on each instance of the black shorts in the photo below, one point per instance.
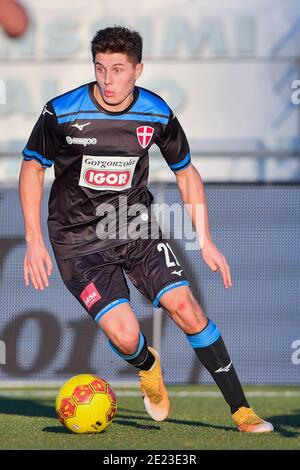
(98, 282)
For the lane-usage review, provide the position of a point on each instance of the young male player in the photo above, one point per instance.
(98, 137)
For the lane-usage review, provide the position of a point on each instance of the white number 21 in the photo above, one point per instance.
(165, 247)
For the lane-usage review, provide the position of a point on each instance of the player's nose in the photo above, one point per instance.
(107, 78)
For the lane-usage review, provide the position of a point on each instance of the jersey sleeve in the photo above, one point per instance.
(174, 146)
(43, 144)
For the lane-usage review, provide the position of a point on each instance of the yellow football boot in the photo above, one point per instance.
(247, 421)
(154, 392)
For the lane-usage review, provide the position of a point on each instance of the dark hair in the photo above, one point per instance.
(118, 39)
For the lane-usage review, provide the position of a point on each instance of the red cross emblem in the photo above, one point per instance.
(144, 135)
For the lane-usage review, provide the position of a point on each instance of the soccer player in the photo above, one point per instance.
(101, 223)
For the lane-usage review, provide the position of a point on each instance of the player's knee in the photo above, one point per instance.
(126, 341)
(189, 314)
(184, 304)
(183, 307)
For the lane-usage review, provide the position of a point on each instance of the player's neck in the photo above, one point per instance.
(118, 108)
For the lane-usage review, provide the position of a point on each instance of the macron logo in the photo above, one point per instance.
(224, 369)
(80, 126)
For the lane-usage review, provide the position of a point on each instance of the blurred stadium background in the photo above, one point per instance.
(227, 69)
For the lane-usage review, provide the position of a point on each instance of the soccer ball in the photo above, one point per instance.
(86, 404)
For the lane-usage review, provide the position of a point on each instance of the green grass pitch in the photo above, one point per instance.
(28, 421)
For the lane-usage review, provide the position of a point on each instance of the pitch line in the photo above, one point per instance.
(179, 394)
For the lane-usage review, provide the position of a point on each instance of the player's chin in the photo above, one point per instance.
(113, 101)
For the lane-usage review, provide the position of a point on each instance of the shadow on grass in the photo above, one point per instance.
(287, 425)
(59, 429)
(34, 408)
(171, 420)
(125, 422)
(177, 421)
(282, 423)
(30, 407)
(26, 407)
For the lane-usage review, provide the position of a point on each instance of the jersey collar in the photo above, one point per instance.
(136, 93)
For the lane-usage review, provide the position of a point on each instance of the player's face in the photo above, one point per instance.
(116, 75)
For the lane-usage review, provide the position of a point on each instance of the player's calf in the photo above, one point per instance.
(205, 338)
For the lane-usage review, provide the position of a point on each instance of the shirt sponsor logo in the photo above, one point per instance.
(90, 295)
(107, 178)
(113, 173)
(81, 140)
(144, 135)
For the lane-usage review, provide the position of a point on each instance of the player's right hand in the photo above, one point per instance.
(37, 265)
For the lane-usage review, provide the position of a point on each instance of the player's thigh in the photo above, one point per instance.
(97, 285)
(154, 269)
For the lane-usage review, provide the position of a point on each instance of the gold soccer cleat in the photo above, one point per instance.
(247, 421)
(154, 392)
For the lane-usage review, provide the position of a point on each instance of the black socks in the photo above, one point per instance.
(216, 360)
(212, 353)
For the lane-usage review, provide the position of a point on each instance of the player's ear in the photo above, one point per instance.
(138, 70)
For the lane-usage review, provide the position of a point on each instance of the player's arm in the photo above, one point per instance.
(175, 149)
(37, 261)
(40, 152)
(193, 196)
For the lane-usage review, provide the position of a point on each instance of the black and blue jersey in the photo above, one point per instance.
(100, 160)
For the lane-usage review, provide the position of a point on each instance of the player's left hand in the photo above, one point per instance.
(217, 262)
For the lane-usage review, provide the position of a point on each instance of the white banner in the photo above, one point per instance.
(226, 67)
